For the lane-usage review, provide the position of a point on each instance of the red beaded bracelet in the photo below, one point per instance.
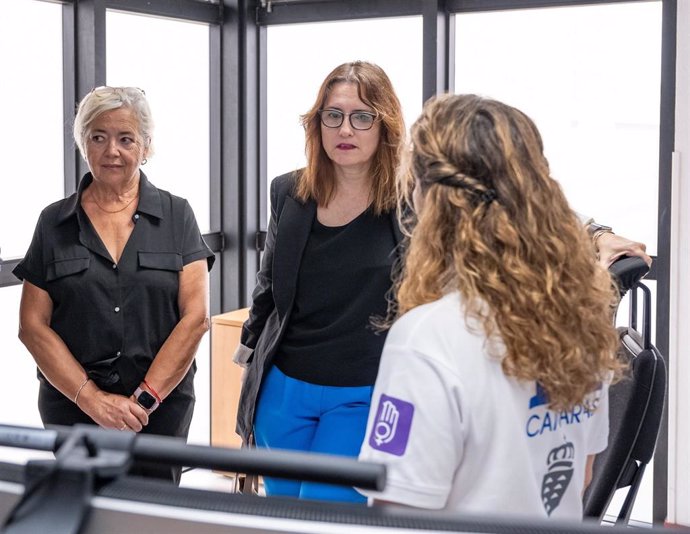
(160, 401)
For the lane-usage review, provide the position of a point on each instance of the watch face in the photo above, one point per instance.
(146, 400)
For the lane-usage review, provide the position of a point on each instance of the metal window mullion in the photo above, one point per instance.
(472, 6)
(240, 166)
(232, 144)
(253, 125)
(666, 148)
(69, 68)
(263, 127)
(216, 159)
(322, 11)
(437, 55)
(190, 10)
(83, 58)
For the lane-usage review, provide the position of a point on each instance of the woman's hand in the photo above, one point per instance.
(63, 371)
(112, 411)
(610, 247)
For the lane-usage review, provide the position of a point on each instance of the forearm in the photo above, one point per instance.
(175, 357)
(54, 359)
(173, 360)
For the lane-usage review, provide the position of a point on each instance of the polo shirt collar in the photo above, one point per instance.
(149, 199)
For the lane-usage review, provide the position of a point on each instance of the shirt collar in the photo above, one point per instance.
(149, 199)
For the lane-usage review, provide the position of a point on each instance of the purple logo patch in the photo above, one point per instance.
(391, 428)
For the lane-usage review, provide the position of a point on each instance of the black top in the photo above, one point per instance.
(343, 280)
(114, 317)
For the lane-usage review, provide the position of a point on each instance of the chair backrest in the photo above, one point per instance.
(636, 405)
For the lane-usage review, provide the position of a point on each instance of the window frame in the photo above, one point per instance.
(237, 50)
(438, 63)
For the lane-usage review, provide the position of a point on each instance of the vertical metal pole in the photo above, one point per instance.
(240, 159)
(263, 127)
(216, 157)
(71, 156)
(437, 50)
(84, 68)
(666, 147)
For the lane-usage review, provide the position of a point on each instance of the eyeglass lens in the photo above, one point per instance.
(359, 120)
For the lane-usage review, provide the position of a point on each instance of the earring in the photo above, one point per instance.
(143, 162)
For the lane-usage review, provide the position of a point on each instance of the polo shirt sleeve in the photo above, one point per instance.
(414, 426)
(193, 245)
(598, 436)
(32, 267)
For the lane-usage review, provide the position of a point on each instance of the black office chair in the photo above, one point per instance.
(636, 405)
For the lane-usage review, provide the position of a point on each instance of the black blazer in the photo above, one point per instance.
(273, 297)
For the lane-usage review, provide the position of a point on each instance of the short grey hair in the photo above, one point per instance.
(103, 99)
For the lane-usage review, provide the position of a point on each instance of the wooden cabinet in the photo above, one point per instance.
(225, 377)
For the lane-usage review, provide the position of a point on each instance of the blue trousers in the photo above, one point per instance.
(295, 415)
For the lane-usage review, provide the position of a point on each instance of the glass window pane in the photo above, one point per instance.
(173, 68)
(299, 57)
(591, 84)
(31, 139)
(19, 382)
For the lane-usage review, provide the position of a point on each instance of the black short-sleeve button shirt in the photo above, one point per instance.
(114, 317)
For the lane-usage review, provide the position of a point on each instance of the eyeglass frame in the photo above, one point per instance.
(374, 116)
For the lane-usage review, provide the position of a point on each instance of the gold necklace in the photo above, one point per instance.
(118, 210)
(93, 195)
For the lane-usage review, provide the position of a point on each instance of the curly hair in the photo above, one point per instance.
(375, 89)
(496, 227)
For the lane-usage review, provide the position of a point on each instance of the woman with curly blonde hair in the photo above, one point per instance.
(491, 395)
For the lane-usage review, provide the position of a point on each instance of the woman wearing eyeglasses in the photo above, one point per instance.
(312, 355)
(115, 293)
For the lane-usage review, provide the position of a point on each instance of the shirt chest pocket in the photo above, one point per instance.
(63, 267)
(162, 261)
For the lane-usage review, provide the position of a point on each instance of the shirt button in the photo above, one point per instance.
(117, 309)
(136, 215)
(114, 265)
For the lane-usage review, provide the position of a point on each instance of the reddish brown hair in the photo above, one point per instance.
(374, 88)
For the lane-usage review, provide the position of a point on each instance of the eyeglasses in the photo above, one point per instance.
(359, 120)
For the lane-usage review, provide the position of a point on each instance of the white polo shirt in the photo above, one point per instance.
(457, 434)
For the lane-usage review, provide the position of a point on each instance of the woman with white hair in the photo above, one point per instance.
(115, 292)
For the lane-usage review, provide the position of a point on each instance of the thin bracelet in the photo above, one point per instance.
(76, 397)
(596, 235)
(160, 401)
